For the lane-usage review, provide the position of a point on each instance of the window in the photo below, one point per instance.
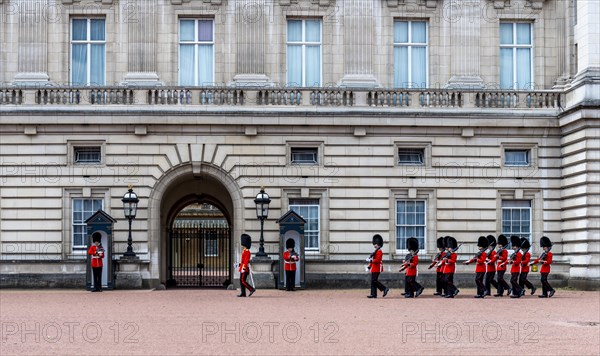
(82, 210)
(308, 209)
(92, 154)
(516, 51)
(304, 155)
(411, 156)
(410, 222)
(304, 53)
(516, 158)
(196, 52)
(410, 54)
(88, 52)
(516, 218)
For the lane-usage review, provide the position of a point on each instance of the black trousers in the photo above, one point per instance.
(375, 284)
(523, 282)
(244, 284)
(479, 281)
(546, 287)
(502, 285)
(489, 282)
(449, 282)
(290, 280)
(97, 273)
(411, 285)
(514, 282)
(440, 285)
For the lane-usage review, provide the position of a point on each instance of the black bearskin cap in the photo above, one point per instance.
(502, 240)
(482, 242)
(525, 245)
(377, 240)
(96, 237)
(545, 242)
(451, 242)
(246, 240)
(515, 241)
(441, 243)
(412, 244)
(290, 243)
(491, 240)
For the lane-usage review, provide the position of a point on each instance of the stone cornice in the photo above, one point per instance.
(69, 2)
(535, 4)
(432, 4)
(212, 2)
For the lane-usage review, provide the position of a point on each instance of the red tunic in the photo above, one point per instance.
(377, 262)
(491, 265)
(411, 270)
(97, 256)
(480, 266)
(502, 260)
(546, 264)
(245, 260)
(516, 267)
(290, 261)
(525, 262)
(440, 268)
(450, 264)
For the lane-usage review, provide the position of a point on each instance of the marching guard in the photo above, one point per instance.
(449, 266)
(515, 270)
(523, 282)
(376, 267)
(502, 258)
(411, 287)
(290, 257)
(480, 266)
(244, 268)
(490, 263)
(546, 260)
(440, 287)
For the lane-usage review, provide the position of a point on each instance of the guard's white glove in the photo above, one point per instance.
(369, 259)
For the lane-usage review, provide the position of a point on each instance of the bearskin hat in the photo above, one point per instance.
(545, 242)
(502, 240)
(412, 244)
(377, 240)
(491, 240)
(515, 241)
(246, 240)
(482, 242)
(290, 243)
(451, 242)
(441, 243)
(96, 237)
(525, 245)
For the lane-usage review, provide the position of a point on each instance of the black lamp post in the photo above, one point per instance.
(130, 202)
(262, 211)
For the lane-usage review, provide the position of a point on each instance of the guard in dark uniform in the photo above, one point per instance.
(412, 288)
(523, 282)
(244, 268)
(440, 288)
(449, 264)
(376, 266)
(290, 257)
(502, 258)
(97, 253)
(515, 270)
(480, 267)
(546, 260)
(490, 270)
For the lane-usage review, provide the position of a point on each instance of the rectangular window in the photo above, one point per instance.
(411, 156)
(516, 158)
(410, 222)
(516, 218)
(211, 244)
(92, 154)
(304, 155)
(516, 55)
(88, 51)
(308, 209)
(410, 54)
(304, 53)
(82, 210)
(196, 52)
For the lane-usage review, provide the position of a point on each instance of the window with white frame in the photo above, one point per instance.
(308, 209)
(516, 218)
(87, 154)
(410, 222)
(304, 52)
(304, 155)
(88, 51)
(517, 157)
(410, 54)
(83, 208)
(196, 52)
(516, 55)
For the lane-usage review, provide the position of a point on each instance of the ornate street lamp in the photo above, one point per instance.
(262, 211)
(130, 202)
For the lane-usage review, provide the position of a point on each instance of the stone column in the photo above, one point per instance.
(141, 46)
(587, 39)
(564, 31)
(32, 42)
(358, 43)
(464, 19)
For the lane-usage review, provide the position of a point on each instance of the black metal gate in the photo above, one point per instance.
(200, 256)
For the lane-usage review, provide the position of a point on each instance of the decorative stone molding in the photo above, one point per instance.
(69, 2)
(431, 4)
(537, 4)
(212, 2)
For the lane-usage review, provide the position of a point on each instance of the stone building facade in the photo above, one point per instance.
(400, 117)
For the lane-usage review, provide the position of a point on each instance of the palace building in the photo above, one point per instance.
(404, 118)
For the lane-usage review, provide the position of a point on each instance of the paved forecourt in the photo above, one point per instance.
(304, 322)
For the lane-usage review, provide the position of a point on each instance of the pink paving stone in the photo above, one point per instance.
(327, 322)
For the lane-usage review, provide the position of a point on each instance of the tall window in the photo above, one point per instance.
(410, 222)
(516, 218)
(304, 53)
(196, 52)
(82, 210)
(516, 55)
(308, 209)
(88, 51)
(410, 54)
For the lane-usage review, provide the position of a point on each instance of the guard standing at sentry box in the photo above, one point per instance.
(290, 257)
(97, 253)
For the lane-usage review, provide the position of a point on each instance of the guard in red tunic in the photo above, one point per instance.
(449, 265)
(97, 253)
(502, 258)
(523, 282)
(546, 260)
(515, 270)
(440, 288)
(480, 267)
(490, 269)
(412, 288)
(376, 267)
(244, 268)
(290, 257)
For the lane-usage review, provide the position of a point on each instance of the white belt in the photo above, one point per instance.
(289, 262)
(96, 257)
